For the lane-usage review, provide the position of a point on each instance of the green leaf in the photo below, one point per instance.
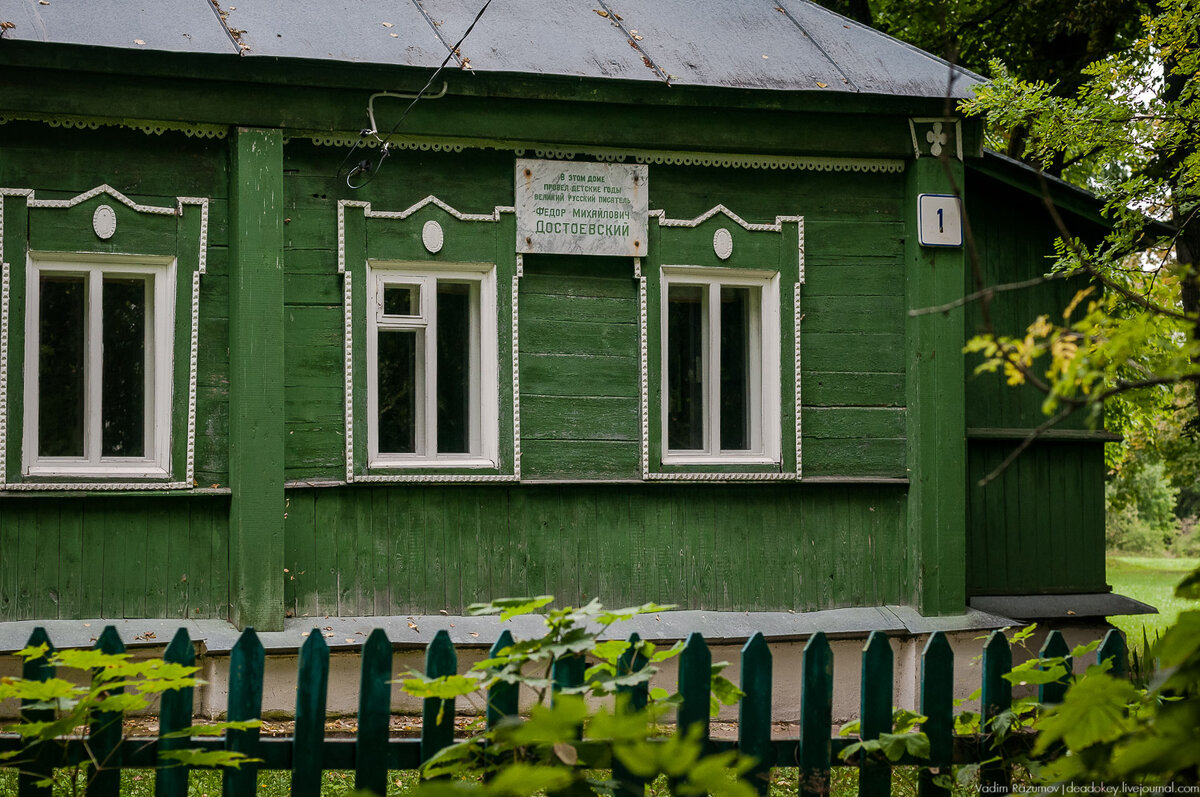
(1093, 711)
(519, 779)
(509, 608)
(725, 690)
(208, 758)
(446, 687)
(213, 729)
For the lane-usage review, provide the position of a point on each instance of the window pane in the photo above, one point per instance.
(685, 367)
(399, 367)
(123, 395)
(453, 368)
(401, 300)
(735, 369)
(61, 358)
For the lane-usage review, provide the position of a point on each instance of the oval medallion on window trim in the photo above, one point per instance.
(104, 222)
(432, 237)
(723, 243)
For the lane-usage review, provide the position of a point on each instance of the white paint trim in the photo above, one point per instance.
(5, 290)
(680, 476)
(348, 350)
(737, 160)
(929, 120)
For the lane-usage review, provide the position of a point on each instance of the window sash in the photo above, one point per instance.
(763, 378)
(482, 387)
(158, 351)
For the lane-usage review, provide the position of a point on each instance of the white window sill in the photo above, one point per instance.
(718, 459)
(102, 470)
(411, 463)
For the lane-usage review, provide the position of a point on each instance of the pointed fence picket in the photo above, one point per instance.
(373, 754)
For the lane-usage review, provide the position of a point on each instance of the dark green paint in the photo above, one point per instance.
(754, 711)
(1055, 646)
(246, 662)
(935, 401)
(256, 364)
(175, 714)
(937, 703)
(816, 716)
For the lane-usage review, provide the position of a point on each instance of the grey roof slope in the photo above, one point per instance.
(791, 45)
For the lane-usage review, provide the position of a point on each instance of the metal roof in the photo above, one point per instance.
(792, 45)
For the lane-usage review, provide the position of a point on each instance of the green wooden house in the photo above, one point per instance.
(619, 307)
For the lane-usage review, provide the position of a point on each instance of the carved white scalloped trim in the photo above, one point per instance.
(348, 350)
(148, 126)
(735, 160)
(681, 476)
(193, 348)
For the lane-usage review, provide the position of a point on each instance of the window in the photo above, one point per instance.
(98, 362)
(432, 367)
(720, 366)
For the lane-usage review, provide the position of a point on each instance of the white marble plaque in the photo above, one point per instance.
(572, 208)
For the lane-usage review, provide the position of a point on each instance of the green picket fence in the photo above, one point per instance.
(372, 754)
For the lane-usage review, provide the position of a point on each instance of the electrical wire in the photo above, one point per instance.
(364, 166)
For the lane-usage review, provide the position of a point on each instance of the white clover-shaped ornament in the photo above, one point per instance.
(937, 139)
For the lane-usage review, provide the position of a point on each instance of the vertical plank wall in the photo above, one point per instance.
(1039, 527)
(127, 556)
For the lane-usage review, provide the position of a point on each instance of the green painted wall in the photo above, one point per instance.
(114, 556)
(403, 550)
(131, 555)
(1039, 526)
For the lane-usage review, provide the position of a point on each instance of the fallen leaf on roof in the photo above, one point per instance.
(386, 24)
(824, 86)
(135, 41)
(327, 636)
(766, 56)
(601, 13)
(350, 641)
(413, 626)
(394, 35)
(474, 634)
(639, 38)
(7, 25)
(43, 2)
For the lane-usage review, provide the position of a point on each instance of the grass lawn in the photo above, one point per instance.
(1151, 580)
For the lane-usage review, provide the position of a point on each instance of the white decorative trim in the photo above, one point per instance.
(348, 355)
(723, 243)
(736, 160)
(936, 120)
(432, 237)
(348, 343)
(95, 192)
(643, 323)
(796, 364)
(800, 221)
(104, 222)
(516, 372)
(663, 221)
(148, 126)
(193, 348)
(644, 353)
(38, 487)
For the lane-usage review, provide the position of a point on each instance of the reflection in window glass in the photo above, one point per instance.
(453, 368)
(402, 300)
(399, 353)
(735, 369)
(123, 397)
(61, 365)
(685, 367)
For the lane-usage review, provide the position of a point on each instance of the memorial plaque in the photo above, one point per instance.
(572, 208)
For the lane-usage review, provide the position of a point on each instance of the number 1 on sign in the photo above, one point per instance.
(941, 220)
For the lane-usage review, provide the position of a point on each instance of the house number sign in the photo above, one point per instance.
(939, 220)
(572, 208)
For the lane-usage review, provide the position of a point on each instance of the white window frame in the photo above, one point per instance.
(484, 365)
(765, 378)
(160, 348)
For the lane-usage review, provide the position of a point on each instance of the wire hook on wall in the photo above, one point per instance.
(364, 170)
